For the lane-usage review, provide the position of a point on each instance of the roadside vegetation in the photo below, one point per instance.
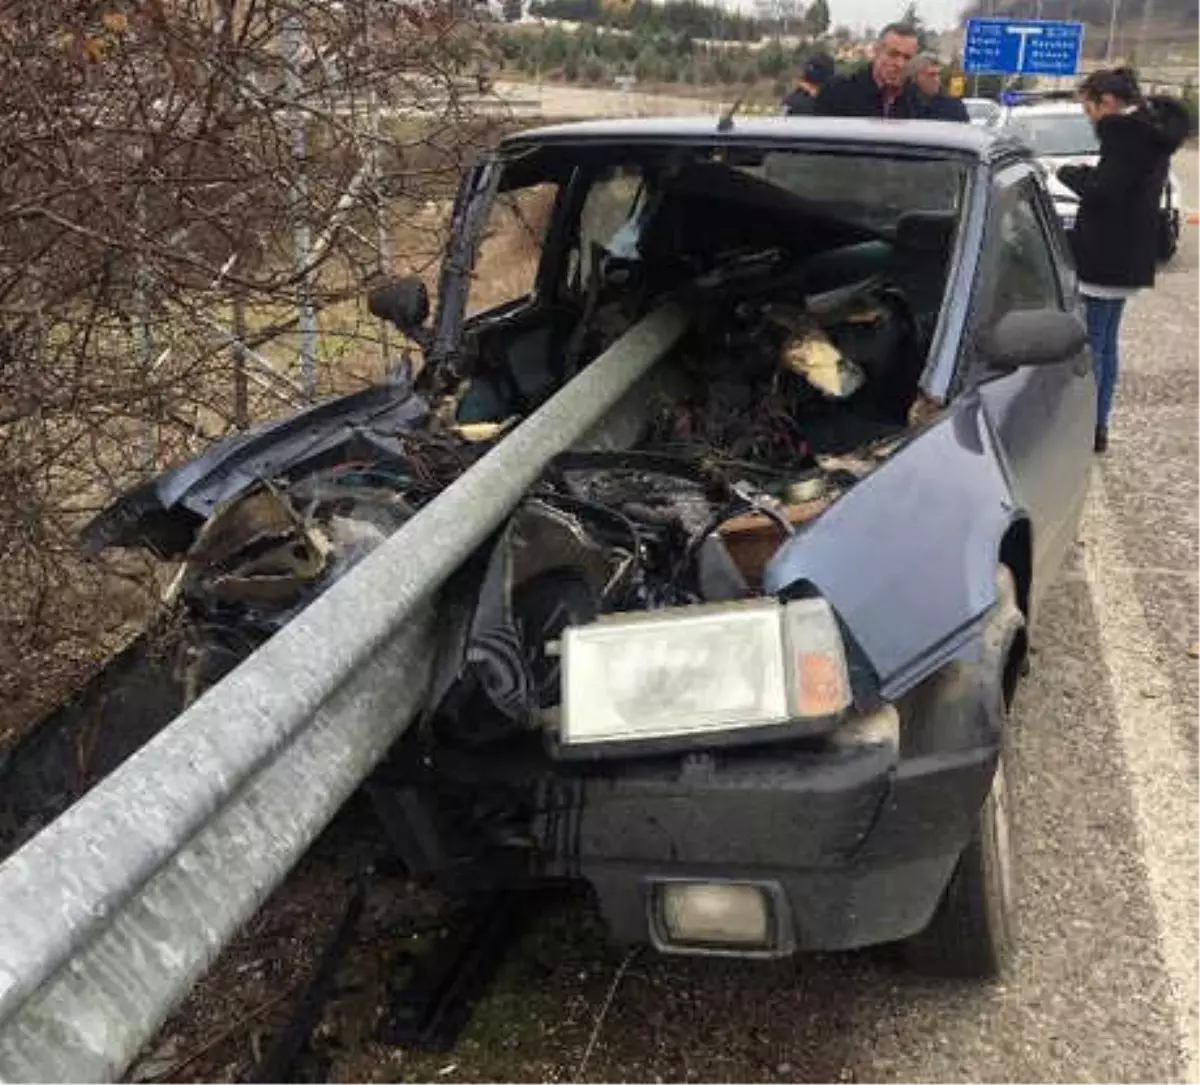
(678, 44)
(194, 199)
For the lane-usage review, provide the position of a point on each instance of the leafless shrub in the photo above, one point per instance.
(175, 175)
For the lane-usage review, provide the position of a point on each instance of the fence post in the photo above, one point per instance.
(293, 42)
(144, 338)
(383, 233)
(241, 407)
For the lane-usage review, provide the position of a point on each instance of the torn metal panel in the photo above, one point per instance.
(166, 512)
(753, 538)
(255, 550)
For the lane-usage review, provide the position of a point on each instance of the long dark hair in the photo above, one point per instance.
(1121, 83)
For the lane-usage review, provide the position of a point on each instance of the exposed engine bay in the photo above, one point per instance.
(798, 376)
(764, 416)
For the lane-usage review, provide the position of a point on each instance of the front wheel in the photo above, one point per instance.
(1169, 229)
(973, 932)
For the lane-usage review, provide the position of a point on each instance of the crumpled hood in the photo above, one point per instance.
(165, 512)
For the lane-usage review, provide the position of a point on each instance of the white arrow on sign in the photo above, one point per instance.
(1025, 33)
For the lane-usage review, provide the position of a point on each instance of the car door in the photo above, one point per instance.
(1042, 417)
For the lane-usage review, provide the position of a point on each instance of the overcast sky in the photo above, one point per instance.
(857, 13)
(942, 14)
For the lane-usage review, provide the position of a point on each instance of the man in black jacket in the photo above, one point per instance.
(930, 101)
(817, 72)
(878, 90)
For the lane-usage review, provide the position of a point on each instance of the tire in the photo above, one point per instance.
(1168, 236)
(972, 934)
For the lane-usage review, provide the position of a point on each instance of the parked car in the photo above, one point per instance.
(744, 660)
(1060, 134)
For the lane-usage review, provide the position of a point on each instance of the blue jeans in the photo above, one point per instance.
(1103, 327)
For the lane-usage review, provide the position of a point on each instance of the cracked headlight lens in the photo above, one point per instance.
(691, 671)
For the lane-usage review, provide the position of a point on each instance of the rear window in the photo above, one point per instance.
(1051, 135)
(983, 112)
(870, 190)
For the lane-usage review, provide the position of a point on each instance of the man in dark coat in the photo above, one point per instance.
(802, 100)
(879, 89)
(930, 101)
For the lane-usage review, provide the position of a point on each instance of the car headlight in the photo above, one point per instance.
(1066, 213)
(701, 670)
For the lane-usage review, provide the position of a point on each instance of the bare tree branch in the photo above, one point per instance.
(147, 193)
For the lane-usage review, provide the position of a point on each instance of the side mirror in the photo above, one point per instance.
(402, 302)
(1033, 337)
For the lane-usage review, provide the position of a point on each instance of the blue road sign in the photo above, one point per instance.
(1022, 47)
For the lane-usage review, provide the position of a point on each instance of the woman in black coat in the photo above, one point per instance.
(1115, 239)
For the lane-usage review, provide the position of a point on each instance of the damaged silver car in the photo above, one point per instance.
(743, 659)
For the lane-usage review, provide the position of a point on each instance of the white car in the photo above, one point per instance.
(984, 112)
(1059, 134)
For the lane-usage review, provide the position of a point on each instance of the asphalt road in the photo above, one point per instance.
(1105, 796)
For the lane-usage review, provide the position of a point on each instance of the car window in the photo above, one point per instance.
(1055, 134)
(1026, 277)
(510, 253)
(1064, 261)
(982, 111)
(872, 190)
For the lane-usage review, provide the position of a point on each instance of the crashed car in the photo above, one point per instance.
(743, 660)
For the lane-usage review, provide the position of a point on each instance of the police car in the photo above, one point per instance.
(1059, 133)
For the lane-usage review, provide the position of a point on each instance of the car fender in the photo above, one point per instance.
(907, 558)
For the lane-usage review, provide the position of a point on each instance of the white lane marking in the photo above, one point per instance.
(1163, 786)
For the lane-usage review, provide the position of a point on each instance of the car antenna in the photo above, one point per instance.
(725, 124)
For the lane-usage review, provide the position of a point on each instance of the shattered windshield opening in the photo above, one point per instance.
(688, 207)
(839, 260)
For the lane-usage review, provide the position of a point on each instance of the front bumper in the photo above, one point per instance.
(854, 847)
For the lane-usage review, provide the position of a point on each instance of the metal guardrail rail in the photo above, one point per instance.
(113, 911)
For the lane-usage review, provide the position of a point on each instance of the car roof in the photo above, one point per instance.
(933, 136)
(1046, 108)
